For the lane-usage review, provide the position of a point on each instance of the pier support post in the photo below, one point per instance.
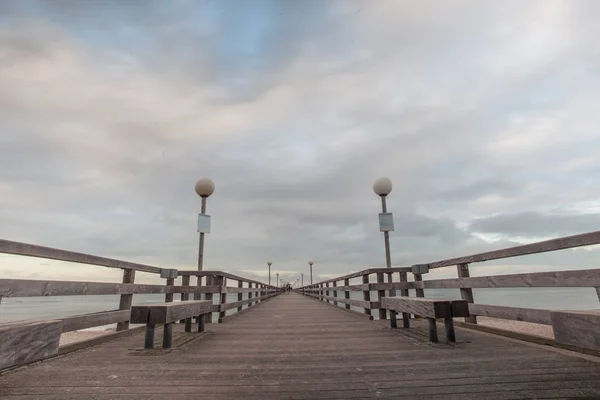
(222, 283)
(404, 292)
(433, 336)
(380, 296)
(167, 336)
(126, 299)
(209, 297)
(149, 338)
(347, 292)
(335, 303)
(366, 293)
(240, 295)
(466, 293)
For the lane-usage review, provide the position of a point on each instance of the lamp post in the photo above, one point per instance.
(204, 188)
(382, 187)
(269, 263)
(277, 279)
(311, 264)
(301, 280)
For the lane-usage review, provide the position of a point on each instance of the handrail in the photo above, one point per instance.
(32, 250)
(322, 290)
(567, 242)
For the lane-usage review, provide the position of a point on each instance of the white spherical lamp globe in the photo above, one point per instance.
(310, 263)
(269, 263)
(382, 186)
(205, 187)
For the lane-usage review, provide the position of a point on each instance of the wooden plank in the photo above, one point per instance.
(425, 307)
(32, 250)
(576, 278)
(84, 321)
(466, 293)
(23, 342)
(164, 313)
(533, 315)
(568, 242)
(577, 328)
(358, 303)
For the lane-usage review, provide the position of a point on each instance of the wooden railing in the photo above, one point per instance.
(572, 278)
(207, 282)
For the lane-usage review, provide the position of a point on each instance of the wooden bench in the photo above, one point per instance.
(430, 309)
(167, 314)
(577, 328)
(23, 342)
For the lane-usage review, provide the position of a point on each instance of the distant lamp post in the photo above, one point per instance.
(301, 280)
(311, 264)
(269, 263)
(277, 279)
(382, 187)
(204, 188)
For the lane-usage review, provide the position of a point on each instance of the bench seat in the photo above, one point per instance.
(429, 308)
(167, 314)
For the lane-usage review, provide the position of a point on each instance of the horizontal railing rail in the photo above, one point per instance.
(328, 290)
(249, 291)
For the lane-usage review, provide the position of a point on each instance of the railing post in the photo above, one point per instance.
(250, 295)
(380, 296)
(126, 299)
(335, 303)
(366, 293)
(169, 296)
(185, 281)
(321, 292)
(420, 292)
(207, 296)
(347, 292)
(240, 295)
(222, 282)
(404, 292)
(327, 291)
(466, 293)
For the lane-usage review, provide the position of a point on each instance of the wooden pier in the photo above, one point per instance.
(294, 347)
(319, 342)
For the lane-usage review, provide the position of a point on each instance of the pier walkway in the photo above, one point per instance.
(295, 347)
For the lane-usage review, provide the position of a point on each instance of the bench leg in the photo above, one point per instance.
(149, 339)
(449, 324)
(188, 324)
(168, 336)
(406, 320)
(393, 320)
(201, 323)
(433, 337)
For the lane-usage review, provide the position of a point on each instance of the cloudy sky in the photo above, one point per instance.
(484, 114)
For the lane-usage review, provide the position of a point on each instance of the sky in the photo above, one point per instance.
(484, 115)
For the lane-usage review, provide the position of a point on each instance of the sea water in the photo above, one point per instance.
(39, 308)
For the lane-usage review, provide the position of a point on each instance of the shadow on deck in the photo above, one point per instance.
(294, 347)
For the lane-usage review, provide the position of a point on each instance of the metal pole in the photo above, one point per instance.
(302, 282)
(201, 244)
(277, 279)
(269, 264)
(311, 274)
(386, 240)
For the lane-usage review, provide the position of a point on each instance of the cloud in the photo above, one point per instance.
(482, 115)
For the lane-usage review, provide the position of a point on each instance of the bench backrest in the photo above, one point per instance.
(166, 313)
(426, 307)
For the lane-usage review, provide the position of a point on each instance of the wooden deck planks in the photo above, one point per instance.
(294, 347)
